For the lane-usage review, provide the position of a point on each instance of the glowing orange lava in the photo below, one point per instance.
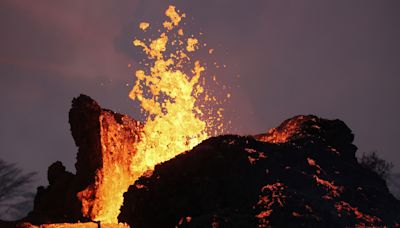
(168, 96)
(173, 101)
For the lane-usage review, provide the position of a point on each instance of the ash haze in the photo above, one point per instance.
(335, 59)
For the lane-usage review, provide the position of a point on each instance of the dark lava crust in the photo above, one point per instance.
(311, 180)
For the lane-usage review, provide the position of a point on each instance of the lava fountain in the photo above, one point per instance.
(177, 110)
(168, 97)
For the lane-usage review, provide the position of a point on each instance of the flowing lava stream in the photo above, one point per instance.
(178, 116)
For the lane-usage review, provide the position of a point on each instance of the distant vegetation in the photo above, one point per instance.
(16, 195)
(384, 169)
(378, 165)
(394, 184)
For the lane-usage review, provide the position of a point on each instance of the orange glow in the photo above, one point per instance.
(364, 220)
(169, 97)
(144, 25)
(191, 44)
(174, 103)
(288, 130)
(273, 194)
(102, 200)
(174, 16)
(282, 135)
(334, 191)
(76, 225)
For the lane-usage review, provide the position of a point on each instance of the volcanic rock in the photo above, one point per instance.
(301, 174)
(99, 134)
(58, 201)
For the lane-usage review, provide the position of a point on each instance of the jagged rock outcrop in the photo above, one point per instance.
(57, 202)
(101, 136)
(84, 119)
(301, 174)
(334, 133)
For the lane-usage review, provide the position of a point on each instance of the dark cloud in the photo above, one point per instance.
(336, 59)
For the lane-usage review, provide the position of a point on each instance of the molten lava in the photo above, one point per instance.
(173, 102)
(168, 96)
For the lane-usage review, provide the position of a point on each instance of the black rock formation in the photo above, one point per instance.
(301, 174)
(95, 131)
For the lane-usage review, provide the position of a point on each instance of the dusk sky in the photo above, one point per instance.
(334, 59)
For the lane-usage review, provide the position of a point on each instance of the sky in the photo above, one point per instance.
(335, 59)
